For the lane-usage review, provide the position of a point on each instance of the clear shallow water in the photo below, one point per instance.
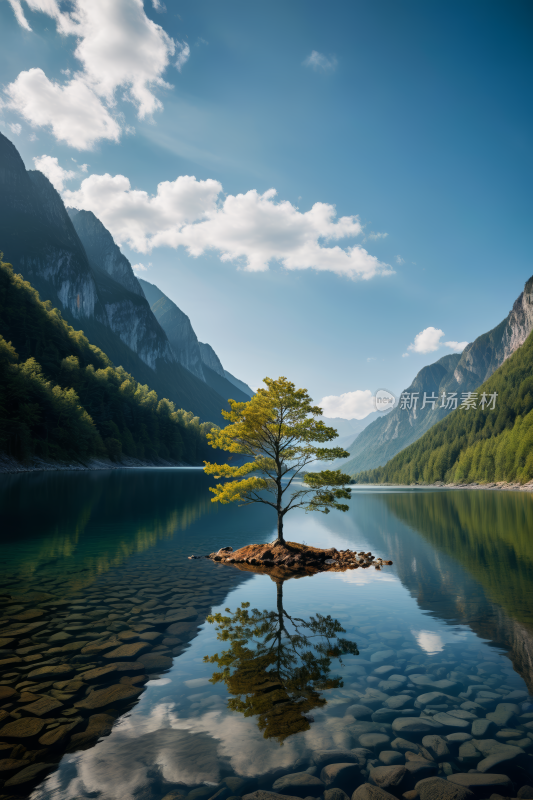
(457, 602)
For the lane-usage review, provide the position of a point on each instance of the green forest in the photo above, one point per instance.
(475, 445)
(61, 398)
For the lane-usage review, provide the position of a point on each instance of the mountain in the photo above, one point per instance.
(491, 442)
(239, 384)
(347, 428)
(62, 399)
(83, 274)
(177, 327)
(390, 434)
(198, 357)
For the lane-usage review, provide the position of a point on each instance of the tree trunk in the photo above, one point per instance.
(280, 539)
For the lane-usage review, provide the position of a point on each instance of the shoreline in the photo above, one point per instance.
(10, 466)
(499, 486)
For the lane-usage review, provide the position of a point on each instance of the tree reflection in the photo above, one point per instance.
(277, 665)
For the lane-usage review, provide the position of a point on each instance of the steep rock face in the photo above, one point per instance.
(131, 318)
(102, 251)
(177, 327)
(210, 358)
(388, 435)
(38, 238)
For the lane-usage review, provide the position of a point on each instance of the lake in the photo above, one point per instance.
(105, 690)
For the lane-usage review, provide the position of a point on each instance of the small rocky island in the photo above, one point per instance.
(293, 557)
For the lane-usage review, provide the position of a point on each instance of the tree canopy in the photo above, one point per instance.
(279, 434)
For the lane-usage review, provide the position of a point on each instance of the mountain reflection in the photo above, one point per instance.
(277, 665)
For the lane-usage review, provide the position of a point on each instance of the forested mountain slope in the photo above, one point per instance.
(61, 397)
(390, 434)
(99, 294)
(475, 444)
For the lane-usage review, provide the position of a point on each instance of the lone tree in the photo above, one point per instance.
(280, 434)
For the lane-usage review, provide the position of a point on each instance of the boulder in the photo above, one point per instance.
(118, 694)
(390, 757)
(503, 714)
(437, 747)
(41, 707)
(346, 776)
(9, 766)
(418, 726)
(404, 745)
(240, 786)
(369, 792)
(299, 784)
(388, 777)
(482, 785)
(322, 758)
(261, 794)
(127, 652)
(28, 776)
(451, 722)
(359, 711)
(482, 728)
(99, 725)
(22, 730)
(374, 741)
(55, 672)
(440, 789)
(335, 794)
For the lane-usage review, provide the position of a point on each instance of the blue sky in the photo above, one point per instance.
(412, 119)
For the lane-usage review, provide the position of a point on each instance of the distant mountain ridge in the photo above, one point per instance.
(459, 373)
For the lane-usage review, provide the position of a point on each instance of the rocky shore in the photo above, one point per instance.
(10, 465)
(279, 559)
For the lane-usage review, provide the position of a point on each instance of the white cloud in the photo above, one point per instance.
(73, 111)
(84, 167)
(140, 268)
(321, 63)
(405, 355)
(457, 347)
(374, 236)
(19, 14)
(400, 260)
(15, 128)
(371, 358)
(118, 46)
(251, 229)
(350, 405)
(427, 340)
(184, 52)
(57, 176)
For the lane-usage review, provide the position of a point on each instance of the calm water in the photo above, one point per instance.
(95, 562)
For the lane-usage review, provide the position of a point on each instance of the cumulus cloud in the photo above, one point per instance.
(118, 46)
(400, 260)
(350, 405)
(374, 236)
(457, 347)
(50, 167)
(321, 63)
(251, 229)
(429, 340)
(15, 128)
(74, 113)
(139, 268)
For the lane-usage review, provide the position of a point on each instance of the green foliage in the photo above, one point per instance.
(278, 432)
(478, 445)
(61, 397)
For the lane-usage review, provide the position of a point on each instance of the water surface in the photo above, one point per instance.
(103, 557)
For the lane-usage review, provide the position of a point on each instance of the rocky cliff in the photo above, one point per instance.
(99, 294)
(198, 357)
(102, 251)
(177, 327)
(210, 359)
(391, 433)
